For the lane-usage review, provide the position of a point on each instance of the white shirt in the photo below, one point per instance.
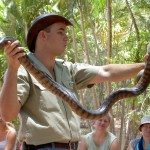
(2, 144)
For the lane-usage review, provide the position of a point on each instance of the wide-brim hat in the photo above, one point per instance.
(144, 120)
(40, 23)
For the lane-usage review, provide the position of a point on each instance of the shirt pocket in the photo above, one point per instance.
(47, 101)
(68, 84)
(67, 80)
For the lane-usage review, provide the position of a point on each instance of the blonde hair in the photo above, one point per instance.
(109, 118)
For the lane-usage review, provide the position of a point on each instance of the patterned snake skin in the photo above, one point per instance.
(71, 99)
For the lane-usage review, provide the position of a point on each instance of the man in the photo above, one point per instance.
(46, 121)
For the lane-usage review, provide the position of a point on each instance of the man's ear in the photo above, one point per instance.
(42, 34)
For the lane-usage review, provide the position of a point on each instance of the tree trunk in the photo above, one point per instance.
(109, 47)
(87, 51)
(137, 57)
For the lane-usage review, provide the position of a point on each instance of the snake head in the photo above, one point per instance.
(4, 40)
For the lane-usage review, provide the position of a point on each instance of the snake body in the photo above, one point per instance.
(71, 99)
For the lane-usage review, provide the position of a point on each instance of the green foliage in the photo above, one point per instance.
(16, 123)
(16, 17)
(3, 65)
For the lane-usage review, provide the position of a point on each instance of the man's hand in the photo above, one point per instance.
(13, 53)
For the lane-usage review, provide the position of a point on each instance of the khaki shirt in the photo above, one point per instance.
(44, 116)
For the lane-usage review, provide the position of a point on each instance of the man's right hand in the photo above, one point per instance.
(13, 53)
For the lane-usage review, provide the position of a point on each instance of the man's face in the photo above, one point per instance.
(56, 38)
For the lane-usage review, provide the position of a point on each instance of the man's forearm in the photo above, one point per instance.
(124, 71)
(117, 72)
(9, 105)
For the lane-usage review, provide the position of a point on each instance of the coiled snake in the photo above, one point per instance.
(71, 99)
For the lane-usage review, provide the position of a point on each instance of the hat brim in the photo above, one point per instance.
(41, 23)
(143, 124)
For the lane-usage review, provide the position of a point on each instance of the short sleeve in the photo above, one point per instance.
(83, 74)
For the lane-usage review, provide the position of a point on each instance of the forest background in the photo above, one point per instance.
(104, 32)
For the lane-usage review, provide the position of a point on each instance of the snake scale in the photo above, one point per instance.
(67, 96)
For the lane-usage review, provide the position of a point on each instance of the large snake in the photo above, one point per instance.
(67, 96)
